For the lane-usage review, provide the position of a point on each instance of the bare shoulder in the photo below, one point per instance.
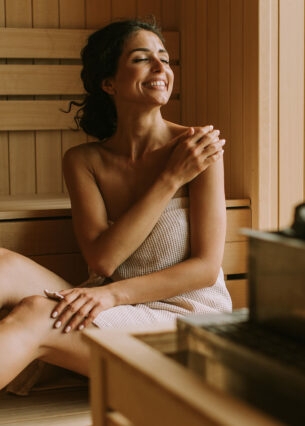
(85, 154)
(175, 128)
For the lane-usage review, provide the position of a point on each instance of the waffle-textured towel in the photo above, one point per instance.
(166, 245)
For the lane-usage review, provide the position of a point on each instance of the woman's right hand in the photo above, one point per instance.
(193, 152)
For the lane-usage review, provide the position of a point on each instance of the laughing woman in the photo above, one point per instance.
(148, 209)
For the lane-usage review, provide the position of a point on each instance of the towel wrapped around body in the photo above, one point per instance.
(167, 244)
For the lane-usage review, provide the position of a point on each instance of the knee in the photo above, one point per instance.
(5, 253)
(8, 257)
(33, 302)
(33, 305)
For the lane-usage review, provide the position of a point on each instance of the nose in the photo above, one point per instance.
(157, 65)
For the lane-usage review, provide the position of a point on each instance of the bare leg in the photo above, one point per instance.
(21, 277)
(27, 333)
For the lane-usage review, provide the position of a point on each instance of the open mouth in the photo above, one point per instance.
(156, 83)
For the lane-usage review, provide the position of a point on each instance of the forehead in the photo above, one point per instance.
(143, 39)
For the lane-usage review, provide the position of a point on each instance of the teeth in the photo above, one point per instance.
(157, 83)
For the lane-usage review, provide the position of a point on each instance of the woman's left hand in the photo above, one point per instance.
(81, 306)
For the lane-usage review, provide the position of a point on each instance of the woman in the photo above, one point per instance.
(148, 210)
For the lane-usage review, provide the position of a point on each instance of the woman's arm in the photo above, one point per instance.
(207, 238)
(104, 247)
(207, 226)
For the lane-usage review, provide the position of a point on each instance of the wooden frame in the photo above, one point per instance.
(133, 383)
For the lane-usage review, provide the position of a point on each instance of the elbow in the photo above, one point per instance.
(101, 267)
(209, 268)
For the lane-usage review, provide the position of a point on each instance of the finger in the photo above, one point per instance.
(213, 158)
(92, 314)
(214, 147)
(68, 311)
(81, 317)
(69, 297)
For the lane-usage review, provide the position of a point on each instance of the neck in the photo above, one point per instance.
(138, 134)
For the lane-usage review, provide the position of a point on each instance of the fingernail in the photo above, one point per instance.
(54, 314)
(81, 327)
(57, 324)
(67, 329)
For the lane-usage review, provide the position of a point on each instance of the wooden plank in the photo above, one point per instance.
(42, 42)
(170, 14)
(35, 115)
(18, 13)
(34, 206)
(70, 266)
(45, 14)
(237, 99)
(39, 237)
(224, 93)
(123, 10)
(72, 13)
(58, 43)
(188, 58)
(266, 170)
(94, 17)
(172, 111)
(49, 115)
(48, 162)
(22, 162)
(40, 80)
(50, 80)
(236, 219)
(235, 259)
(238, 290)
(62, 406)
(238, 202)
(4, 163)
(291, 108)
(249, 120)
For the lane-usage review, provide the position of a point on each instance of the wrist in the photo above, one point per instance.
(170, 182)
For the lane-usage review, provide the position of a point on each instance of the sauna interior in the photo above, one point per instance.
(239, 65)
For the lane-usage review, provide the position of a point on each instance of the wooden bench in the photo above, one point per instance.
(41, 228)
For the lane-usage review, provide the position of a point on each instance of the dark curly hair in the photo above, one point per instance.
(97, 114)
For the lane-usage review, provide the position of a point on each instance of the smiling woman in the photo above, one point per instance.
(148, 210)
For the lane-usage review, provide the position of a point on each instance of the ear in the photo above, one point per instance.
(108, 86)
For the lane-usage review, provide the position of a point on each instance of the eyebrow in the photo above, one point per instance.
(144, 49)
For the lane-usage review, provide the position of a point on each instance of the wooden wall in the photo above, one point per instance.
(242, 69)
(30, 161)
(245, 62)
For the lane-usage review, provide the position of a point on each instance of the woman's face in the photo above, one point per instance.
(144, 75)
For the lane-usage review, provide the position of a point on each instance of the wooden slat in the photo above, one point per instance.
(236, 219)
(70, 266)
(49, 115)
(39, 237)
(58, 43)
(238, 202)
(235, 258)
(238, 290)
(62, 406)
(40, 80)
(49, 79)
(34, 206)
(42, 43)
(35, 115)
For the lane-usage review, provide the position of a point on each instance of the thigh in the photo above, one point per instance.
(21, 277)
